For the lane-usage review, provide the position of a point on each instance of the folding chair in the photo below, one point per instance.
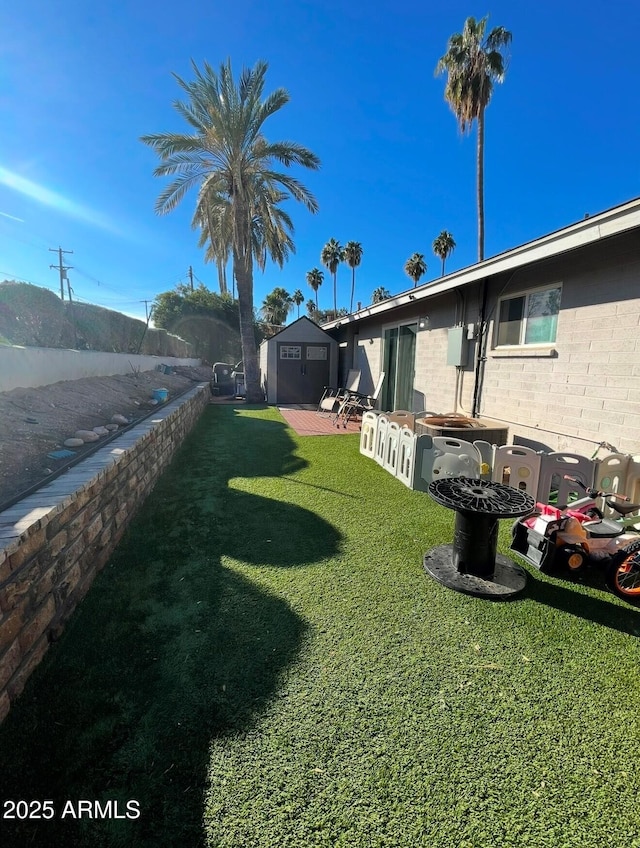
(333, 397)
(356, 404)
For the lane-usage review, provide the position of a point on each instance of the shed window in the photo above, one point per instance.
(316, 352)
(529, 318)
(290, 352)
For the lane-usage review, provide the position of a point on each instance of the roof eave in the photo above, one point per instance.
(589, 230)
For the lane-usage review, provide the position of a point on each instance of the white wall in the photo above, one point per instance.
(30, 367)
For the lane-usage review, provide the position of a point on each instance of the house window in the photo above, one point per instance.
(529, 318)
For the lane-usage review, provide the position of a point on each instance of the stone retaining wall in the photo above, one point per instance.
(53, 543)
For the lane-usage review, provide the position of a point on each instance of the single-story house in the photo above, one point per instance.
(543, 337)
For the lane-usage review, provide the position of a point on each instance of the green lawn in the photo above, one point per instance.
(264, 662)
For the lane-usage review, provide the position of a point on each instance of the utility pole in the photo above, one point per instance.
(191, 276)
(61, 268)
(146, 326)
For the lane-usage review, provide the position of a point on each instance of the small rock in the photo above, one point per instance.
(101, 431)
(111, 427)
(119, 419)
(153, 402)
(86, 435)
(73, 443)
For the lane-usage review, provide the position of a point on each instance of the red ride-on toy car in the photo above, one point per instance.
(574, 537)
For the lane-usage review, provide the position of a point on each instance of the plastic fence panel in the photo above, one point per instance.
(552, 487)
(632, 490)
(485, 449)
(391, 447)
(405, 466)
(445, 457)
(518, 467)
(422, 463)
(368, 434)
(402, 417)
(455, 458)
(610, 475)
(381, 439)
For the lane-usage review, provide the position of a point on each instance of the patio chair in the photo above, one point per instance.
(332, 397)
(356, 403)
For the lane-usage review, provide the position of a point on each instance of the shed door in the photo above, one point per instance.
(303, 372)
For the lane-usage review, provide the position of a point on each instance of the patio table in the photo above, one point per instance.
(471, 564)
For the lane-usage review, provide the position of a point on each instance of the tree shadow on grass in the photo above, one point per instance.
(169, 651)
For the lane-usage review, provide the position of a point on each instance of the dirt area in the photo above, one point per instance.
(36, 422)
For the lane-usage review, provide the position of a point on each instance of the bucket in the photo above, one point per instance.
(160, 395)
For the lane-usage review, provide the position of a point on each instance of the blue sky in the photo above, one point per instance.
(82, 82)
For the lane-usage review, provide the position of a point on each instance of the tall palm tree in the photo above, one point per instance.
(227, 152)
(311, 308)
(473, 62)
(315, 277)
(443, 246)
(353, 257)
(331, 256)
(415, 267)
(297, 297)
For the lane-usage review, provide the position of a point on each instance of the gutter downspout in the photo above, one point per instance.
(481, 356)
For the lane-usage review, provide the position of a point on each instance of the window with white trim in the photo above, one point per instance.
(290, 352)
(529, 318)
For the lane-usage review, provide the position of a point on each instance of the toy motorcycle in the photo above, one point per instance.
(576, 536)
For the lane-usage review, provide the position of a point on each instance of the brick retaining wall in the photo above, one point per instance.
(54, 542)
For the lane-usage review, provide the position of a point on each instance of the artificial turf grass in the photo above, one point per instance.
(265, 635)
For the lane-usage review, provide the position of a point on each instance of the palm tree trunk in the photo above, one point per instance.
(335, 294)
(247, 337)
(443, 266)
(243, 272)
(353, 286)
(480, 185)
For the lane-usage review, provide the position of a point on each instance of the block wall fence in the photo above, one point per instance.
(54, 542)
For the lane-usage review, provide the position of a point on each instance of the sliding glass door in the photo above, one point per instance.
(399, 362)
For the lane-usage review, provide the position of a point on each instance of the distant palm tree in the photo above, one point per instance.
(226, 148)
(311, 308)
(380, 294)
(353, 257)
(297, 297)
(473, 63)
(415, 267)
(443, 246)
(332, 255)
(276, 306)
(315, 277)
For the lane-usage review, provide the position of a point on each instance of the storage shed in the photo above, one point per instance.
(297, 363)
